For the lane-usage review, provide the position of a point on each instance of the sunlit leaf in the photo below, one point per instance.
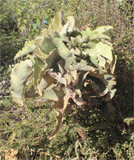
(103, 29)
(56, 24)
(62, 49)
(28, 48)
(19, 76)
(47, 45)
(39, 68)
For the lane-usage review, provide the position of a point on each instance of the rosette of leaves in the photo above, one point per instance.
(62, 65)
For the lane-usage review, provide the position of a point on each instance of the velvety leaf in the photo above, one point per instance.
(82, 66)
(103, 29)
(56, 24)
(65, 29)
(62, 49)
(104, 50)
(47, 45)
(86, 32)
(45, 82)
(94, 35)
(28, 48)
(69, 61)
(101, 55)
(94, 60)
(38, 52)
(90, 44)
(60, 65)
(32, 58)
(50, 95)
(79, 40)
(39, 68)
(99, 36)
(64, 38)
(60, 35)
(52, 59)
(68, 95)
(19, 76)
(79, 81)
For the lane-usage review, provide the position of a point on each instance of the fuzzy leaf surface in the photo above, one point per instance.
(19, 76)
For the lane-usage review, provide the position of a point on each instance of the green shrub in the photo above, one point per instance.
(106, 127)
(63, 65)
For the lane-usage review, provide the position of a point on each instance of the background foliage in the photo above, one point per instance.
(102, 130)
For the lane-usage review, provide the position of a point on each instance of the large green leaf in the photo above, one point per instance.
(38, 52)
(103, 29)
(69, 61)
(101, 55)
(94, 35)
(90, 44)
(19, 76)
(45, 82)
(52, 59)
(54, 95)
(61, 47)
(83, 66)
(80, 40)
(50, 94)
(39, 68)
(28, 48)
(47, 45)
(51, 43)
(56, 24)
(63, 37)
(104, 50)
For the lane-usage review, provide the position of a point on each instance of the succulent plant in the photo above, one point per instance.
(61, 63)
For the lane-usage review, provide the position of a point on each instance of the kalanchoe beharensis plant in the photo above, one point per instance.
(63, 64)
